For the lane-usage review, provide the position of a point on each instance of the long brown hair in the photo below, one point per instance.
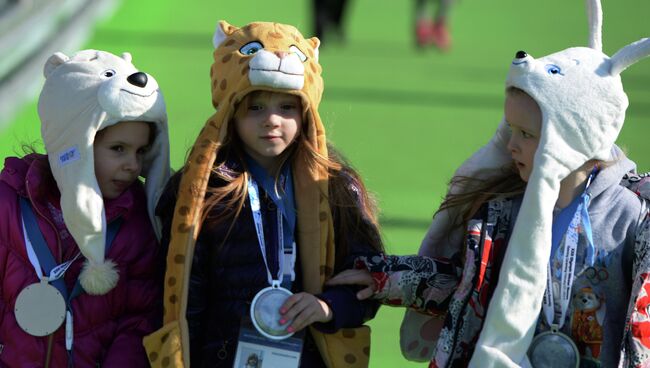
(472, 192)
(229, 196)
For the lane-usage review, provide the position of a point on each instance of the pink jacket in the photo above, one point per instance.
(108, 329)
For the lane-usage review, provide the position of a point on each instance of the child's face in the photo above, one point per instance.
(268, 124)
(119, 151)
(525, 120)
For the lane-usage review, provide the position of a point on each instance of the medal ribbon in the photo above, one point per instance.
(286, 254)
(574, 214)
(38, 252)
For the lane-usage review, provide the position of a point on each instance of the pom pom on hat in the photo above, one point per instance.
(98, 278)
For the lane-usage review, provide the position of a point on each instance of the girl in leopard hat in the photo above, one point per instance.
(262, 213)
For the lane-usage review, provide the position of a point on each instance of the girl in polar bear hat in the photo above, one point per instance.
(503, 293)
(80, 258)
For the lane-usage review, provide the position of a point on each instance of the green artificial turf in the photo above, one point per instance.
(406, 118)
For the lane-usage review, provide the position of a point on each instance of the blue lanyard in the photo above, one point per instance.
(48, 263)
(563, 219)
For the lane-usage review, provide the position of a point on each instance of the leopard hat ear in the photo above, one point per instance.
(224, 29)
(315, 43)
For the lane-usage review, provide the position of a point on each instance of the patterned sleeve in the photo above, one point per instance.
(635, 349)
(421, 283)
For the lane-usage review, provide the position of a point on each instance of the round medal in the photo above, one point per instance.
(265, 312)
(553, 349)
(40, 309)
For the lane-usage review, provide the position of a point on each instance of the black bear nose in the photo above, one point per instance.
(521, 54)
(138, 79)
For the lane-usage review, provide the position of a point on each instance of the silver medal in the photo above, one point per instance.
(553, 350)
(40, 309)
(265, 312)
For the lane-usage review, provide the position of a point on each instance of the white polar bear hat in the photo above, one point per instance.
(581, 97)
(82, 95)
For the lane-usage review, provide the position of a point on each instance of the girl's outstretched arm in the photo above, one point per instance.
(422, 283)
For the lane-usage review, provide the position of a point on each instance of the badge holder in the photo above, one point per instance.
(255, 350)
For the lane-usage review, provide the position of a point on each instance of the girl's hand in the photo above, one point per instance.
(304, 309)
(355, 277)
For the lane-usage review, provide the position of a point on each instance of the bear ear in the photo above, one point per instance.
(224, 29)
(127, 56)
(53, 62)
(315, 43)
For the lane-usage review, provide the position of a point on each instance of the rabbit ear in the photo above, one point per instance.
(629, 55)
(595, 17)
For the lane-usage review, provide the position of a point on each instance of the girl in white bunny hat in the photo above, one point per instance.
(80, 263)
(568, 283)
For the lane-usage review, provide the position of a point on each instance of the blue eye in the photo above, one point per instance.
(251, 48)
(553, 69)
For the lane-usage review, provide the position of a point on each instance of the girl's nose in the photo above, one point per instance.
(272, 120)
(133, 163)
(512, 144)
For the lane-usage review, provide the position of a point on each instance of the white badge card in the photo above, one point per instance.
(257, 351)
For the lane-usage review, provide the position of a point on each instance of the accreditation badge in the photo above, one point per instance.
(40, 309)
(257, 351)
(265, 312)
(553, 349)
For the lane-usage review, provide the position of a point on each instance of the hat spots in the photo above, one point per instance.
(226, 58)
(153, 356)
(179, 258)
(312, 66)
(366, 350)
(230, 42)
(165, 362)
(244, 70)
(183, 228)
(326, 270)
(276, 35)
(171, 281)
(201, 159)
(348, 333)
(310, 78)
(350, 359)
(295, 38)
(232, 96)
(173, 299)
(214, 84)
(242, 60)
(223, 85)
(322, 216)
(164, 338)
(253, 25)
(184, 210)
(205, 143)
(412, 345)
(424, 353)
(213, 123)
